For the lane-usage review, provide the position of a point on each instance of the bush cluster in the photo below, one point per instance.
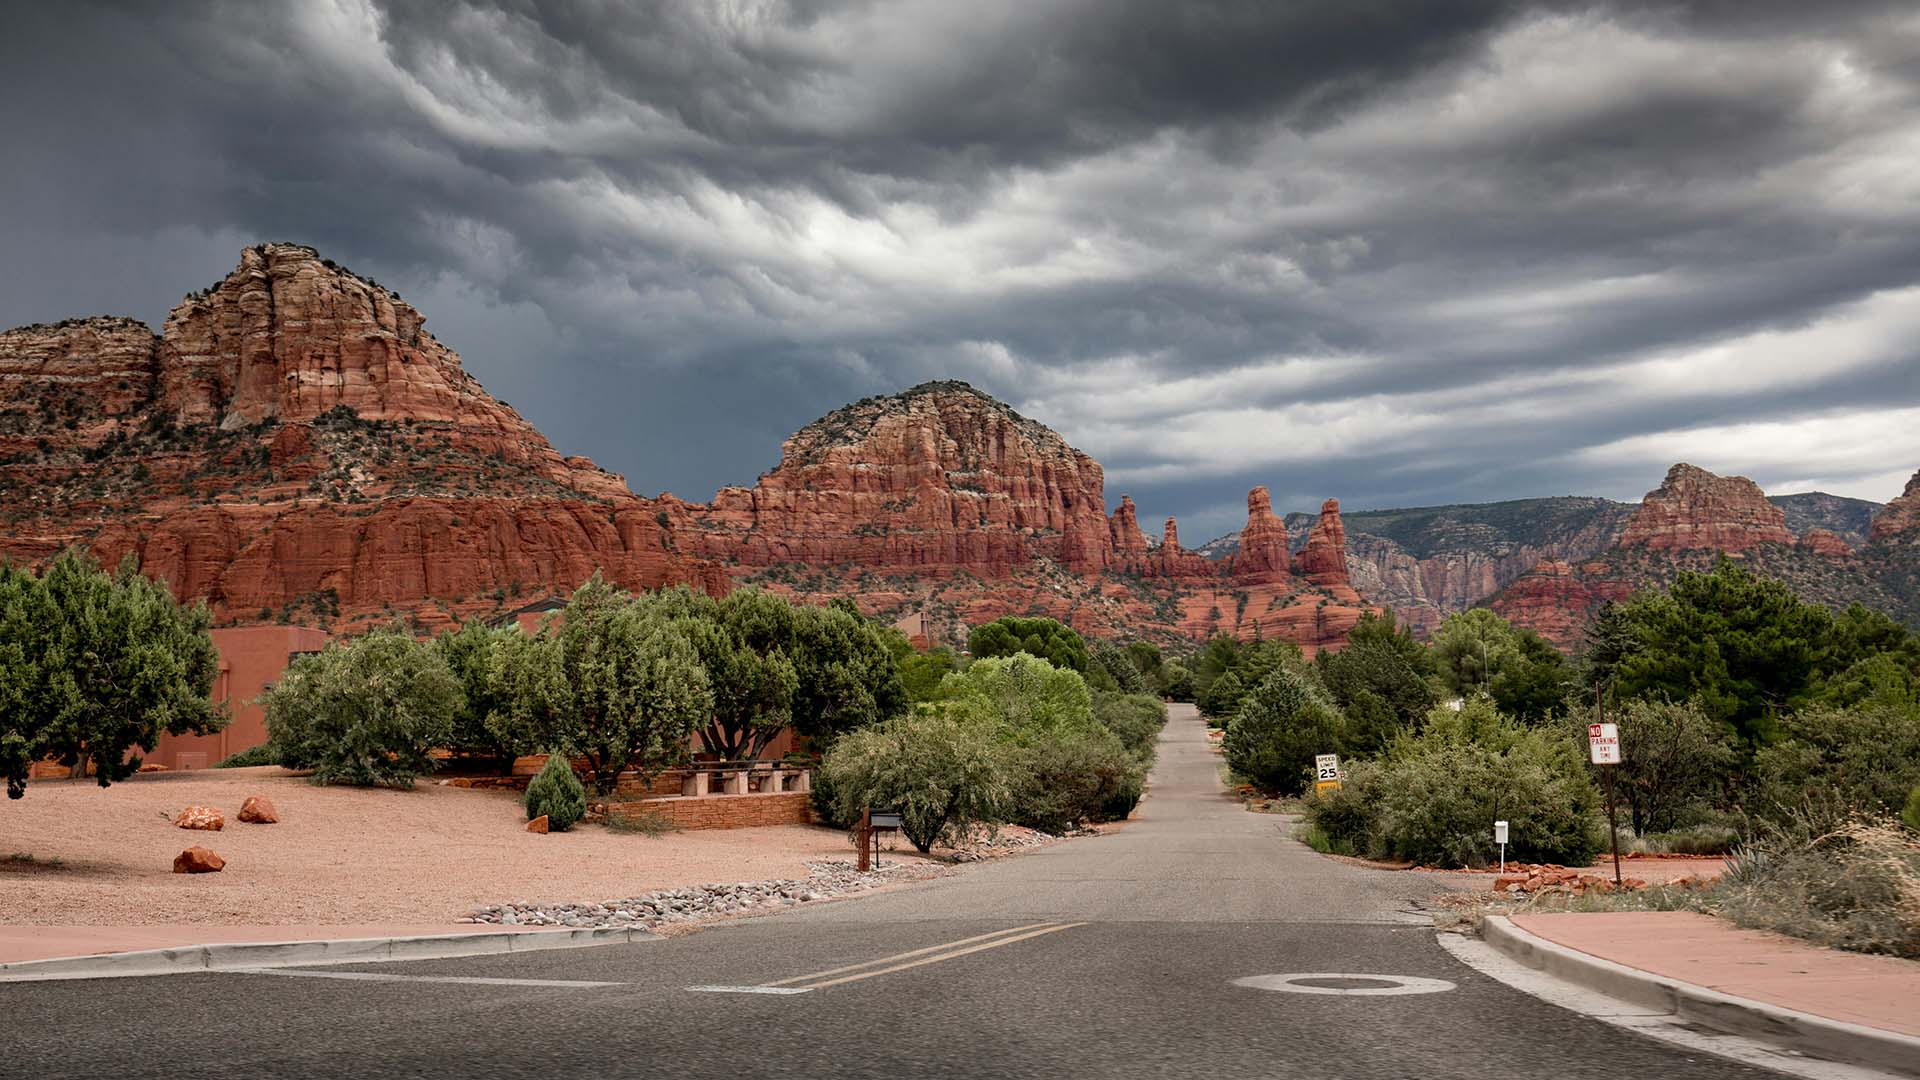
(556, 794)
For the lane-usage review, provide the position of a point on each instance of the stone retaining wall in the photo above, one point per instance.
(726, 811)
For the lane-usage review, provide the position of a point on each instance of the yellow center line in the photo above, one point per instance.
(1045, 929)
(904, 955)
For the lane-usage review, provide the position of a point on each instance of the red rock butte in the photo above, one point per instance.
(295, 446)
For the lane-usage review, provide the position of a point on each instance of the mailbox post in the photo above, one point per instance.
(873, 822)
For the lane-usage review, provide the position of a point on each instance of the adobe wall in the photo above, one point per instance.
(251, 658)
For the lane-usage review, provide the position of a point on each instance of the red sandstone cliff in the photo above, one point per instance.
(1694, 509)
(296, 445)
(1899, 520)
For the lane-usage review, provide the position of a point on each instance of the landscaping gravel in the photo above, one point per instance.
(698, 903)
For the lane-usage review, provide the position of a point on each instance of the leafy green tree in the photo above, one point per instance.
(1674, 763)
(1218, 656)
(1221, 700)
(556, 794)
(1743, 647)
(1533, 679)
(1836, 763)
(618, 684)
(1470, 648)
(1052, 641)
(1136, 719)
(364, 712)
(1028, 695)
(1117, 663)
(942, 774)
(1281, 725)
(745, 643)
(1380, 692)
(473, 654)
(119, 661)
(1379, 629)
(24, 621)
(847, 677)
(1147, 660)
(1176, 681)
(921, 672)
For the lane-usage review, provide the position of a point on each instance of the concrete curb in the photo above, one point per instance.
(1815, 1036)
(256, 954)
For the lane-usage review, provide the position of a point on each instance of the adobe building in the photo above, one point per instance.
(251, 659)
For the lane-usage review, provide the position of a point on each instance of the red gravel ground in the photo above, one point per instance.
(74, 853)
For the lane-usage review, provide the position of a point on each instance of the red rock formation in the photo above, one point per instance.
(940, 477)
(297, 446)
(1822, 542)
(1263, 553)
(1899, 520)
(1324, 560)
(1556, 600)
(1694, 509)
(1129, 543)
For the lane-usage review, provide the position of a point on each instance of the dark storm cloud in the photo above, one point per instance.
(1399, 253)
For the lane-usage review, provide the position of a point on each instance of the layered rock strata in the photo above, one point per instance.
(1694, 509)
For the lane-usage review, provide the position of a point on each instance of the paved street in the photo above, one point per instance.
(1106, 956)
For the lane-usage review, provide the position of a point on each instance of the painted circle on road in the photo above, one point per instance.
(1356, 984)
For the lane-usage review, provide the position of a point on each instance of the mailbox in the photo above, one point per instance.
(872, 823)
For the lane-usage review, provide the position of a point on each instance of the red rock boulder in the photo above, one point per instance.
(538, 825)
(198, 860)
(200, 817)
(258, 810)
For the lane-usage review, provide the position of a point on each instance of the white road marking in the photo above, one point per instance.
(1296, 984)
(1666, 1027)
(944, 956)
(370, 976)
(750, 989)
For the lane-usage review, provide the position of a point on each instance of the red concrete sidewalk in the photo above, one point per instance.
(18, 943)
(1872, 991)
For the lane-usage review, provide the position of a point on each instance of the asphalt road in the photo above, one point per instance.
(1107, 956)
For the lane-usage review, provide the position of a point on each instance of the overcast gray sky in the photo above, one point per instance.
(1396, 253)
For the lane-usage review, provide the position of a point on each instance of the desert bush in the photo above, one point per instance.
(1692, 840)
(642, 820)
(1280, 725)
(1434, 798)
(1135, 718)
(1839, 762)
(1911, 814)
(248, 758)
(942, 773)
(363, 712)
(1120, 669)
(557, 793)
(1176, 681)
(1073, 776)
(1675, 760)
(1055, 642)
(1852, 887)
(474, 655)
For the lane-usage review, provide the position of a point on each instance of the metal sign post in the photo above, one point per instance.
(1500, 837)
(1603, 744)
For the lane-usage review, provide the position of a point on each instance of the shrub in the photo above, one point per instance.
(1135, 718)
(1280, 726)
(557, 793)
(365, 712)
(1855, 887)
(1840, 762)
(1692, 840)
(1674, 760)
(248, 758)
(1052, 641)
(941, 774)
(1073, 776)
(1433, 799)
(1911, 814)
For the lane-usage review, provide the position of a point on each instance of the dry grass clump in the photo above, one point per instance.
(1853, 886)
